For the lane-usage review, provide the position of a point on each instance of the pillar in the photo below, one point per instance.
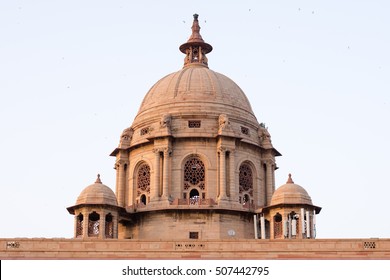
(156, 185)
(102, 224)
(85, 223)
(115, 225)
(166, 173)
(262, 227)
(222, 173)
(269, 181)
(232, 178)
(76, 217)
(121, 182)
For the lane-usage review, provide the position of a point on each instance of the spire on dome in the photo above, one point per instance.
(195, 48)
(289, 181)
(98, 181)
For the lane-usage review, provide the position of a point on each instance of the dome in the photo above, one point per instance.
(192, 87)
(97, 193)
(291, 193)
(195, 90)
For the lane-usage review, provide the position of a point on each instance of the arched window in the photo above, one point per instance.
(143, 182)
(194, 179)
(143, 199)
(93, 224)
(246, 184)
(79, 225)
(194, 197)
(278, 226)
(109, 230)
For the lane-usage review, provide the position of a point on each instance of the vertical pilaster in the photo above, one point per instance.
(102, 225)
(85, 223)
(76, 217)
(232, 178)
(269, 181)
(115, 225)
(166, 173)
(154, 192)
(117, 166)
(222, 173)
(121, 182)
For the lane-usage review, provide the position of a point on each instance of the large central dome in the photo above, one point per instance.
(194, 88)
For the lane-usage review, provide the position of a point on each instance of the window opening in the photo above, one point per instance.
(194, 124)
(244, 130)
(278, 226)
(194, 197)
(194, 235)
(93, 224)
(143, 182)
(79, 225)
(245, 184)
(109, 230)
(143, 199)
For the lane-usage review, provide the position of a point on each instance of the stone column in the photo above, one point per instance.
(269, 180)
(85, 223)
(115, 225)
(116, 167)
(102, 225)
(121, 182)
(263, 188)
(232, 178)
(76, 217)
(154, 192)
(222, 173)
(166, 173)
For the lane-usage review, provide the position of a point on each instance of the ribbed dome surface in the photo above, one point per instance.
(191, 88)
(291, 193)
(97, 193)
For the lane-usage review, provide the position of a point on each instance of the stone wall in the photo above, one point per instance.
(41, 248)
(208, 224)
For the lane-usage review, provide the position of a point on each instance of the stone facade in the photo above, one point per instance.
(319, 249)
(194, 153)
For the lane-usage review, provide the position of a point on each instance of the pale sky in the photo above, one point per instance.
(73, 75)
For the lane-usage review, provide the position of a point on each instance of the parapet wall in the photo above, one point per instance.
(58, 248)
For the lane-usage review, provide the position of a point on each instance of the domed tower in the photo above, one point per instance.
(96, 212)
(195, 163)
(290, 215)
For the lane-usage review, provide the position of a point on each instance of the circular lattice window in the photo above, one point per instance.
(246, 178)
(143, 181)
(194, 171)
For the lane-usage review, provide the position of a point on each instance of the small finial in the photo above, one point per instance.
(290, 181)
(195, 48)
(98, 181)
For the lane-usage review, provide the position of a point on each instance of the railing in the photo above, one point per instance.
(194, 201)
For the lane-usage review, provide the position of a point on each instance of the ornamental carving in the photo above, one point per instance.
(246, 179)
(143, 178)
(194, 172)
(265, 137)
(126, 137)
(166, 122)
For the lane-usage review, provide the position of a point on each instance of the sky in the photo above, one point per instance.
(73, 75)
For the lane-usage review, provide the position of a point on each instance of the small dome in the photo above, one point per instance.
(97, 193)
(291, 193)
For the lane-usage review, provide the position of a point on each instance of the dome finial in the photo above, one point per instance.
(195, 48)
(98, 181)
(289, 181)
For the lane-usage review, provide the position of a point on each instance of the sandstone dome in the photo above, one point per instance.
(195, 91)
(192, 88)
(97, 193)
(290, 193)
